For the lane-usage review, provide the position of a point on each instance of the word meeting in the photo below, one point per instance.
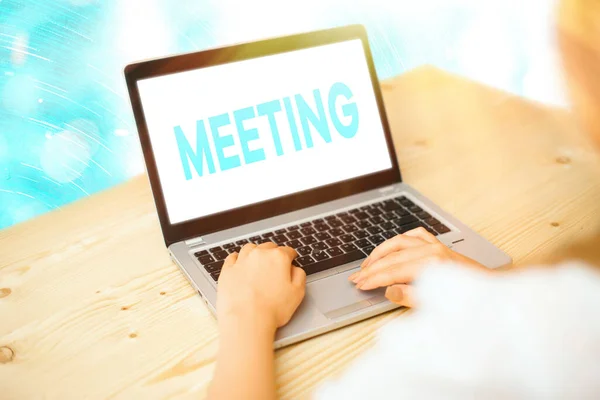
(203, 154)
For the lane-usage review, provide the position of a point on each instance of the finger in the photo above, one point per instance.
(267, 245)
(401, 294)
(246, 249)
(396, 243)
(298, 277)
(423, 234)
(288, 251)
(230, 260)
(395, 258)
(400, 273)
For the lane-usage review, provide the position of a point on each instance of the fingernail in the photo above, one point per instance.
(360, 283)
(353, 276)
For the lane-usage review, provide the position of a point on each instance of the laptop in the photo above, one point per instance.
(283, 140)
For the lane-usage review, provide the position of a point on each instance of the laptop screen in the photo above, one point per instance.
(237, 134)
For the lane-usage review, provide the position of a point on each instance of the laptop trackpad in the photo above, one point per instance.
(335, 296)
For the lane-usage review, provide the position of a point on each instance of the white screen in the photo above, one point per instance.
(346, 132)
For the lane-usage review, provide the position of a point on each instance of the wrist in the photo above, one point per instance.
(249, 321)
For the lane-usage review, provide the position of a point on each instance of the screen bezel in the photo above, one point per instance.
(272, 207)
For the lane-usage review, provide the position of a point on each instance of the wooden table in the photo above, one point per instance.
(92, 307)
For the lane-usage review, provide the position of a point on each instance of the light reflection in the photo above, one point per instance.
(66, 128)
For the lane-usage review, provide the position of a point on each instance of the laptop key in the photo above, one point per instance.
(375, 212)
(235, 249)
(320, 246)
(354, 211)
(320, 255)
(213, 249)
(215, 275)
(361, 215)
(373, 230)
(330, 217)
(305, 260)
(406, 202)
(334, 261)
(279, 239)
(294, 244)
(349, 228)
(341, 214)
(305, 224)
(387, 226)
(254, 239)
(304, 250)
(390, 205)
(361, 234)
(388, 234)
(213, 267)
(220, 255)
(423, 215)
(348, 219)
(241, 242)
(388, 216)
(335, 223)
(348, 247)
(334, 252)
(201, 253)
(268, 235)
(294, 235)
(280, 231)
(293, 228)
(347, 238)
(401, 213)
(322, 227)
(322, 236)
(409, 219)
(441, 228)
(376, 239)
(229, 245)
(432, 221)
(336, 232)
(333, 242)
(207, 259)
(308, 231)
(415, 209)
(363, 224)
(263, 240)
(368, 249)
(362, 243)
(431, 230)
(318, 221)
(376, 220)
(308, 240)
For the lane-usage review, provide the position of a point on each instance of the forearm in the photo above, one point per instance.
(245, 360)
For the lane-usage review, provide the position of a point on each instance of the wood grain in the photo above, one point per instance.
(92, 307)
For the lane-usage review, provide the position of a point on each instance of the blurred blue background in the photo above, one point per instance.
(66, 129)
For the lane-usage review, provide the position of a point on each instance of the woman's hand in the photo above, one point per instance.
(396, 262)
(258, 292)
(261, 282)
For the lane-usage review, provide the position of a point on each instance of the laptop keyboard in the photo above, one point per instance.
(336, 239)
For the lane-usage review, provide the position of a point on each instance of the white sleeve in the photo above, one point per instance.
(529, 334)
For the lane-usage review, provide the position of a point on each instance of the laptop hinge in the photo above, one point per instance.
(194, 241)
